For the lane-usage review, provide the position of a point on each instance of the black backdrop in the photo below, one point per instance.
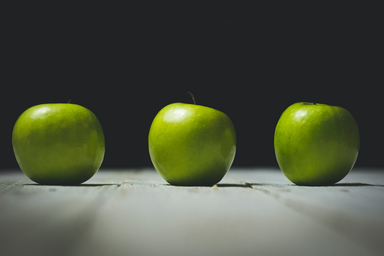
(250, 59)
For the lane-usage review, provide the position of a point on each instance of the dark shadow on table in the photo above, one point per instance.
(79, 185)
(221, 185)
(343, 184)
(355, 184)
(240, 185)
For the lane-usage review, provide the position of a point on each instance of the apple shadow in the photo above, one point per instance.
(219, 185)
(78, 185)
(355, 184)
(228, 185)
(345, 184)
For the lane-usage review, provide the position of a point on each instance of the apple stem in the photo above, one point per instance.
(193, 98)
(314, 103)
(69, 101)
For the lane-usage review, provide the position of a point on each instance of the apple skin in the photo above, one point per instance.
(191, 145)
(58, 144)
(316, 144)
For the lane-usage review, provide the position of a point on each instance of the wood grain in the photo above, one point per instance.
(135, 212)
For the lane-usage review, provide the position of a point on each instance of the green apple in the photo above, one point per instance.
(58, 143)
(316, 144)
(192, 145)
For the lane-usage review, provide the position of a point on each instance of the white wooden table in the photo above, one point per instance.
(134, 212)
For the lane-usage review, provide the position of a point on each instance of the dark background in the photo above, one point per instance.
(250, 59)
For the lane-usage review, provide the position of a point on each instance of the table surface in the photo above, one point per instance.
(254, 211)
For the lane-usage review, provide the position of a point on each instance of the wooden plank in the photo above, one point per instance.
(354, 207)
(251, 212)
